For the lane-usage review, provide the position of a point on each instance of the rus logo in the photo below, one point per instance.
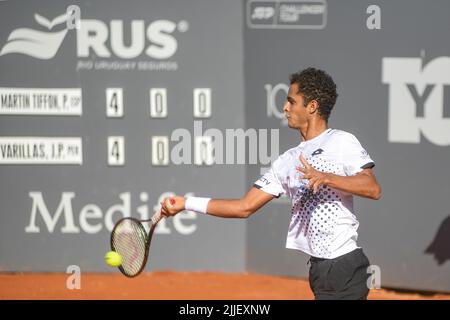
(155, 39)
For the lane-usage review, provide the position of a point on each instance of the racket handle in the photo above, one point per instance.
(158, 216)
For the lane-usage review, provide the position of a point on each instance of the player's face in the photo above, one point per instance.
(294, 108)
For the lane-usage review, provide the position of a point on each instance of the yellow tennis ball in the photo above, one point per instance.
(113, 259)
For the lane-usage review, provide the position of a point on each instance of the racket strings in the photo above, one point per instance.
(129, 240)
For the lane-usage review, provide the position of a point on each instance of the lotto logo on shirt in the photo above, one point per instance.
(364, 154)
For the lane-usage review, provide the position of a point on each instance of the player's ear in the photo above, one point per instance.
(312, 106)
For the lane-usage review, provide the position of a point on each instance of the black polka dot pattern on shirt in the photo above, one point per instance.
(315, 215)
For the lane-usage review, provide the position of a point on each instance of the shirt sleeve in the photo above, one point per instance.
(354, 157)
(270, 182)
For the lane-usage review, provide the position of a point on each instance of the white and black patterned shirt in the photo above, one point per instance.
(322, 225)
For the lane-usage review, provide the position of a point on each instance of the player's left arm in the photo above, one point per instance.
(362, 184)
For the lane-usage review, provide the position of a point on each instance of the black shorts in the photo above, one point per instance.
(342, 278)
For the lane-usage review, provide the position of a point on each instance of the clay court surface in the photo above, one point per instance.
(173, 285)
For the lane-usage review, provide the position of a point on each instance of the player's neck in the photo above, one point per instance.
(313, 129)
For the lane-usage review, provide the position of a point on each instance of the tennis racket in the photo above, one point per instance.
(130, 239)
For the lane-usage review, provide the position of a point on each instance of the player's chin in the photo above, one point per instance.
(291, 124)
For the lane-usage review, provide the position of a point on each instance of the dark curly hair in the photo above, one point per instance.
(315, 84)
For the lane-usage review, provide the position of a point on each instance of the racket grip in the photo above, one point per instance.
(157, 217)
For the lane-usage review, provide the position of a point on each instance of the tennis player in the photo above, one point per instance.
(320, 175)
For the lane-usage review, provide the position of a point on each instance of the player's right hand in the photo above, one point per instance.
(170, 206)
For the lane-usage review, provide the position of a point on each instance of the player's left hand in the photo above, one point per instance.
(316, 178)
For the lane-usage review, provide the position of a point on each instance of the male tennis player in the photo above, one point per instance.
(320, 175)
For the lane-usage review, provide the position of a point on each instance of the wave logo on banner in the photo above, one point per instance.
(291, 14)
(38, 44)
(417, 96)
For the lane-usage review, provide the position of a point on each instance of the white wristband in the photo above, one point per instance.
(197, 204)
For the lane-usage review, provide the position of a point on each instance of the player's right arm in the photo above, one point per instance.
(224, 208)
(266, 188)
